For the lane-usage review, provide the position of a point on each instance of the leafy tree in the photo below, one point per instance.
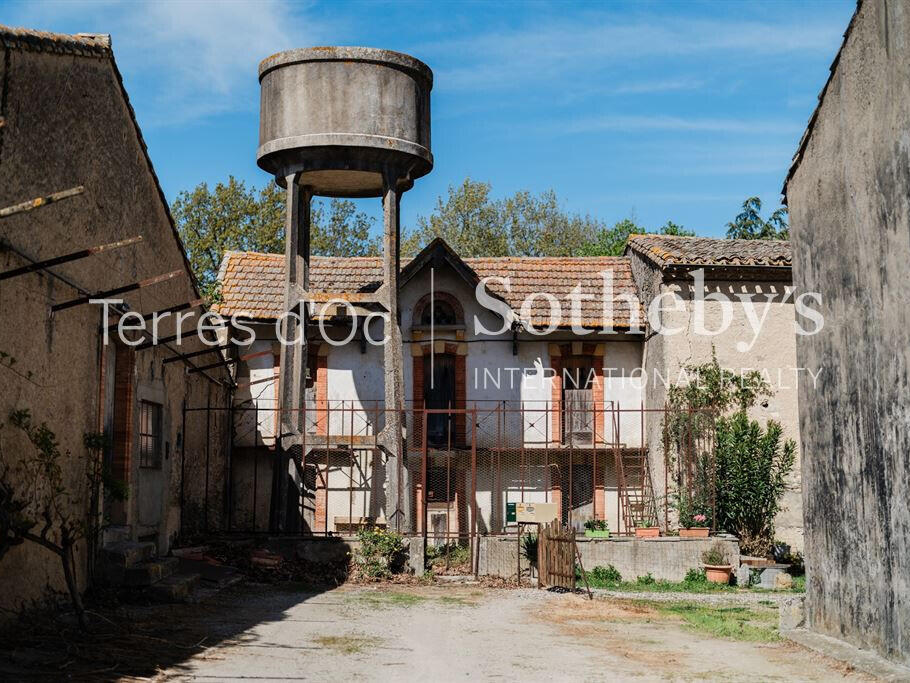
(524, 224)
(612, 241)
(232, 216)
(749, 224)
(751, 468)
(671, 228)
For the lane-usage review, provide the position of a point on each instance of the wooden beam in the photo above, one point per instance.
(194, 354)
(38, 202)
(118, 290)
(173, 309)
(166, 340)
(66, 258)
(230, 361)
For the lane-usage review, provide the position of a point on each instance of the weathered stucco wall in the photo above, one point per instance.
(83, 134)
(849, 202)
(739, 347)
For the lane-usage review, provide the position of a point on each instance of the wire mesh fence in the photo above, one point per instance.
(460, 470)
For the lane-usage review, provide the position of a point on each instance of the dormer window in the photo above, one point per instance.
(441, 310)
(439, 313)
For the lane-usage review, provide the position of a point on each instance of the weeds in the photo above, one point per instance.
(753, 624)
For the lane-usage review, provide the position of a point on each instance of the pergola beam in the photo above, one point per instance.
(230, 361)
(118, 290)
(164, 311)
(38, 202)
(67, 258)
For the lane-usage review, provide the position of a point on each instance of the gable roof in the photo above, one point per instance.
(667, 251)
(96, 45)
(252, 284)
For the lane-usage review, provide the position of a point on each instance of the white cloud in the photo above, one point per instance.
(192, 58)
(575, 49)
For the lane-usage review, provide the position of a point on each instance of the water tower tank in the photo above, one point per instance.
(341, 116)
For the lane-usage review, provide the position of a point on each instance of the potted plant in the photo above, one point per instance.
(695, 527)
(647, 528)
(597, 528)
(693, 522)
(717, 569)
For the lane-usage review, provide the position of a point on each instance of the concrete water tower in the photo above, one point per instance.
(343, 122)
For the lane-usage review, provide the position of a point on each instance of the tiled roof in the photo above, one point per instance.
(672, 250)
(253, 283)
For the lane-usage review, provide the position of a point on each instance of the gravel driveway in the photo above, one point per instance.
(465, 632)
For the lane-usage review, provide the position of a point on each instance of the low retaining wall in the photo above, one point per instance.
(667, 558)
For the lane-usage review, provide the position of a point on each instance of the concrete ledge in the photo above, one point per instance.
(863, 660)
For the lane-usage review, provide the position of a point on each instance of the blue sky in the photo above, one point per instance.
(659, 110)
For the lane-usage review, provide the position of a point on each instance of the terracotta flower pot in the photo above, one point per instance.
(647, 531)
(718, 573)
(694, 532)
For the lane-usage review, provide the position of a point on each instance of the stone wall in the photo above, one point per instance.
(849, 199)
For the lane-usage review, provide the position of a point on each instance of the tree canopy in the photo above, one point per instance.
(524, 224)
(749, 224)
(232, 216)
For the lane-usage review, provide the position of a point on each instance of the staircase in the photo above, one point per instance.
(636, 492)
(134, 567)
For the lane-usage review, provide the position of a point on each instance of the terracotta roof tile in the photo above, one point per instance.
(672, 250)
(556, 276)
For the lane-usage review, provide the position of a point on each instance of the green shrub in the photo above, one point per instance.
(645, 580)
(752, 467)
(607, 576)
(597, 525)
(529, 547)
(381, 552)
(695, 576)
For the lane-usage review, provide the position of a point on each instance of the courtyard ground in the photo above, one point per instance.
(439, 633)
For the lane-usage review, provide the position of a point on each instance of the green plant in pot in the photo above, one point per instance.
(693, 517)
(647, 528)
(597, 528)
(717, 566)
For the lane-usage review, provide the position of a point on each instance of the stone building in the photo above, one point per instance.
(737, 269)
(848, 192)
(65, 124)
(570, 415)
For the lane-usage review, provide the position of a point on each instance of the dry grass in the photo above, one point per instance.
(348, 645)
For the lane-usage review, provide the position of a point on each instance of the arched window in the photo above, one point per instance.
(440, 313)
(442, 309)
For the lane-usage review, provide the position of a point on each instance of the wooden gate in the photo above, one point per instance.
(556, 556)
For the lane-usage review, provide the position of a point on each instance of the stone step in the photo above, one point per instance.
(125, 554)
(175, 588)
(147, 573)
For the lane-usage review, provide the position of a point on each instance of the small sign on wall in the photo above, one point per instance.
(539, 513)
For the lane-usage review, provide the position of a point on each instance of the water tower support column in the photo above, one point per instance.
(397, 505)
(294, 349)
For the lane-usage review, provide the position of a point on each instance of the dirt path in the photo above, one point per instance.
(455, 633)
